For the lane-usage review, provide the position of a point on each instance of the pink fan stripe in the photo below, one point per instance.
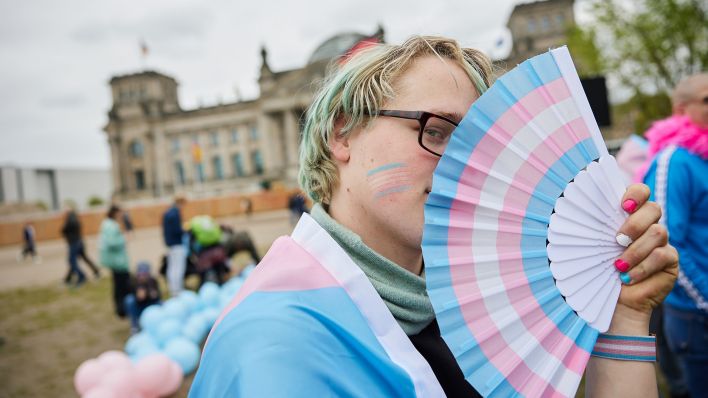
(490, 145)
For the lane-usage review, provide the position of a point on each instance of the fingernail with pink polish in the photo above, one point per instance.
(621, 265)
(629, 205)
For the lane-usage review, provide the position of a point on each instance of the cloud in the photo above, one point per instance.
(71, 100)
(170, 25)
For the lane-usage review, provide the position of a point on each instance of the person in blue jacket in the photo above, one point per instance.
(177, 253)
(678, 181)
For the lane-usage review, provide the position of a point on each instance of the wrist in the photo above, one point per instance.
(629, 322)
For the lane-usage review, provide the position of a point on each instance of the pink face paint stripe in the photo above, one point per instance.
(388, 179)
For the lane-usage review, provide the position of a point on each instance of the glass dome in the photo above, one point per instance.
(335, 46)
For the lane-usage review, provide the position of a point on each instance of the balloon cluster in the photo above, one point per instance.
(169, 340)
(113, 375)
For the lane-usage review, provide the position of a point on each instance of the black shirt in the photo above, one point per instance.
(432, 347)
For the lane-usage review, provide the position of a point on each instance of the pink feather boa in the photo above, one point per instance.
(675, 130)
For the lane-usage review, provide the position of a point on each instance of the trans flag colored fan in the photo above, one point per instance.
(519, 237)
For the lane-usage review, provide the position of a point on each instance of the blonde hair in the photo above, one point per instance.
(358, 89)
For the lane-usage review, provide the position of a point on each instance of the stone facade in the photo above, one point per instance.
(536, 27)
(156, 145)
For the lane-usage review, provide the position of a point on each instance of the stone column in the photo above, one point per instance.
(291, 138)
(116, 165)
(159, 161)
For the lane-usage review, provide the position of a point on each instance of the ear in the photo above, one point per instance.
(680, 108)
(339, 143)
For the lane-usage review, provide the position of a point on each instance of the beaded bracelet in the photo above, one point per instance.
(626, 348)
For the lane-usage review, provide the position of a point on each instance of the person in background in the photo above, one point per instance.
(247, 206)
(71, 230)
(127, 223)
(677, 176)
(114, 256)
(29, 247)
(356, 260)
(206, 249)
(172, 233)
(145, 292)
(297, 206)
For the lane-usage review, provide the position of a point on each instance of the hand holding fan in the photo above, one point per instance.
(519, 237)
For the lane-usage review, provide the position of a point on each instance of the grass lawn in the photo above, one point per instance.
(48, 332)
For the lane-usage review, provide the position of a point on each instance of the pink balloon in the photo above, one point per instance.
(175, 380)
(114, 360)
(152, 373)
(88, 375)
(120, 381)
(101, 392)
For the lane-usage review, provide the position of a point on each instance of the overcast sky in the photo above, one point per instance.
(57, 56)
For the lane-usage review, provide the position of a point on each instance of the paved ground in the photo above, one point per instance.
(144, 244)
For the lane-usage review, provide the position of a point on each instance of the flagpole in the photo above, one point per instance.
(144, 52)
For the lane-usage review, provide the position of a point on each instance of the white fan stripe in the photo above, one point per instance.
(565, 64)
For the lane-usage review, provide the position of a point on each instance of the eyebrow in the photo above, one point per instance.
(454, 116)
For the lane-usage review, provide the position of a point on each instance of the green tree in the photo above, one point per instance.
(647, 45)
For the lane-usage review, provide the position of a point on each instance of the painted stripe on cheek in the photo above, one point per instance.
(389, 179)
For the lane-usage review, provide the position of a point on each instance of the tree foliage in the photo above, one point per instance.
(647, 45)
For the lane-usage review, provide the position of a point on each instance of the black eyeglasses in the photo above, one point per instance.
(435, 130)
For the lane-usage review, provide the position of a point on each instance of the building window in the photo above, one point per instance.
(560, 20)
(234, 135)
(257, 161)
(531, 25)
(139, 180)
(218, 168)
(545, 23)
(254, 133)
(214, 138)
(136, 149)
(179, 170)
(175, 145)
(199, 172)
(237, 164)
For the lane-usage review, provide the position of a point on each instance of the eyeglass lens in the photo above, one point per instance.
(436, 134)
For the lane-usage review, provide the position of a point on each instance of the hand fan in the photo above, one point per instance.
(519, 237)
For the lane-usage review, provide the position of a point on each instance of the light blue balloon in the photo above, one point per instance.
(225, 299)
(184, 352)
(247, 270)
(138, 342)
(209, 294)
(190, 300)
(195, 329)
(151, 318)
(175, 308)
(232, 286)
(168, 329)
(143, 352)
(211, 315)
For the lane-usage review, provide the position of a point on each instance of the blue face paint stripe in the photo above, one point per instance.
(392, 190)
(384, 168)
